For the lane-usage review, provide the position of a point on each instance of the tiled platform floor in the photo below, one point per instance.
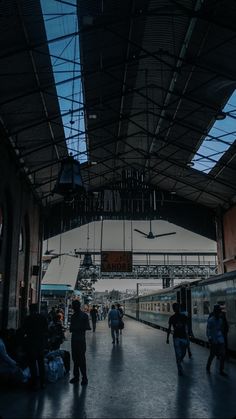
(135, 379)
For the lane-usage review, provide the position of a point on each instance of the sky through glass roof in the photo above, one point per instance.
(61, 21)
(220, 137)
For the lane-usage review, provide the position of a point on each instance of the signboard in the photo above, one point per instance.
(116, 261)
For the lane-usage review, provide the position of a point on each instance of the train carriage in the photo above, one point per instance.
(215, 290)
(197, 298)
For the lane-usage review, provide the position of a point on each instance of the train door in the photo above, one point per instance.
(189, 309)
(178, 297)
(137, 308)
(189, 302)
(183, 299)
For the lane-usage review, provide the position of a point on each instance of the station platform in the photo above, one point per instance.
(136, 378)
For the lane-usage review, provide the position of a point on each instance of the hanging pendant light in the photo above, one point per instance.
(87, 262)
(69, 182)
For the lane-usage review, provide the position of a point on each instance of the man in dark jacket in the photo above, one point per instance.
(35, 330)
(180, 338)
(79, 325)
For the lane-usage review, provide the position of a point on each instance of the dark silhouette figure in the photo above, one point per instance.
(113, 322)
(215, 334)
(180, 336)
(121, 323)
(79, 325)
(56, 333)
(94, 317)
(189, 331)
(35, 330)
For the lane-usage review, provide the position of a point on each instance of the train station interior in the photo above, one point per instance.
(118, 187)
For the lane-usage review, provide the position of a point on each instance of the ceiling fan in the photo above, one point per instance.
(150, 235)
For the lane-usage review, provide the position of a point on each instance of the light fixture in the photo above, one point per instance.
(69, 182)
(220, 116)
(87, 262)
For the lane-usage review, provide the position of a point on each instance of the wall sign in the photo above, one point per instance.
(116, 261)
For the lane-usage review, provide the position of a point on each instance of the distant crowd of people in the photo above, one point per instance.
(25, 348)
(23, 351)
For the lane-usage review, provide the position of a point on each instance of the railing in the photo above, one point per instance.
(188, 265)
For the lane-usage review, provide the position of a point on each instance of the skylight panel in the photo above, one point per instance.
(220, 137)
(61, 21)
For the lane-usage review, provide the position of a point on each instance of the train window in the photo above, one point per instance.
(206, 307)
(163, 307)
(168, 307)
(195, 308)
(151, 306)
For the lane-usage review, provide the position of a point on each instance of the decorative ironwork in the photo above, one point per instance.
(160, 271)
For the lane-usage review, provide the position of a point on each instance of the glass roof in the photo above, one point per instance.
(220, 137)
(61, 25)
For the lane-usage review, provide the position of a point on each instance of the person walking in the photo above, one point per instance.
(180, 338)
(35, 330)
(94, 317)
(215, 334)
(79, 325)
(121, 322)
(104, 312)
(189, 330)
(113, 322)
(225, 332)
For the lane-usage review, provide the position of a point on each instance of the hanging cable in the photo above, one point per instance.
(60, 237)
(101, 235)
(94, 242)
(87, 237)
(124, 235)
(131, 236)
